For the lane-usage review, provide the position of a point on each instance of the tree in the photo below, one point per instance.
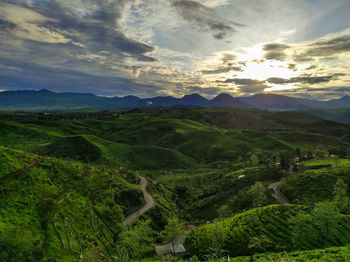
(324, 217)
(341, 198)
(286, 160)
(258, 194)
(173, 230)
(139, 239)
(322, 152)
(348, 153)
(224, 211)
(327, 217)
(302, 230)
(254, 160)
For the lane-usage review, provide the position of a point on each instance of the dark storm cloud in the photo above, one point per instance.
(329, 47)
(304, 79)
(205, 19)
(275, 51)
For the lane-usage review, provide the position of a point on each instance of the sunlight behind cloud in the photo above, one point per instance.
(267, 69)
(277, 87)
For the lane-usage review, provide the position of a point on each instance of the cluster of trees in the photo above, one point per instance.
(60, 115)
(138, 241)
(326, 216)
(254, 196)
(287, 159)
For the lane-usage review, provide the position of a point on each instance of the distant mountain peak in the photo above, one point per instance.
(45, 91)
(193, 95)
(38, 99)
(224, 95)
(346, 97)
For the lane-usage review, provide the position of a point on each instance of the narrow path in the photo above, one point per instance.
(149, 202)
(277, 193)
(21, 171)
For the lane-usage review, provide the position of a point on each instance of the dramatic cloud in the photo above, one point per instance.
(329, 47)
(221, 70)
(239, 81)
(304, 79)
(275, 51)
(171, 47)
(28, 24)
(205, 18)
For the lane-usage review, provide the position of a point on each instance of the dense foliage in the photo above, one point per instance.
(58, 209)
(271, 227)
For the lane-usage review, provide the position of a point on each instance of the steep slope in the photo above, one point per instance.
(74, 147)
(61, 210)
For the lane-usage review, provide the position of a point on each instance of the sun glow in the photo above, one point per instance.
(264, 70)
(277, 87)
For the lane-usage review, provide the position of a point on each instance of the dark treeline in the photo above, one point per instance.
(54, 116)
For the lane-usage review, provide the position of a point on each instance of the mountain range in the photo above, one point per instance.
(48, 100)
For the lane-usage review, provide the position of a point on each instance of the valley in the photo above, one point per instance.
(85, 187)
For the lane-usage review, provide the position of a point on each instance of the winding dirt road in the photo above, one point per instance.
(276, 193)
(149, 202)
(21, 171)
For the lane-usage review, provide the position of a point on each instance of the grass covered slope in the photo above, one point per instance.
(315, 180)
(145, 141)
(74, 147)
(139, 157)
(60, 210)
(260, 120)
(261, 229)
(340, 254)
(13, 160)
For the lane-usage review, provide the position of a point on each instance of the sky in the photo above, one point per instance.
(150, 48)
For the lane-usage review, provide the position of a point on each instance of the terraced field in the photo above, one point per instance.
(60, 209)
(268, 225)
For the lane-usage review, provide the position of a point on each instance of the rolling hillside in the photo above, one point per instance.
(60, 210)
(268, 225)
(146, 141)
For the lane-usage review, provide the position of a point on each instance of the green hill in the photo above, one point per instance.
(269, 226)
(259, 120)
(145, 141)
(316, 255)
(139, 157)
(74, 147)
(315, 180)
(58, 210)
